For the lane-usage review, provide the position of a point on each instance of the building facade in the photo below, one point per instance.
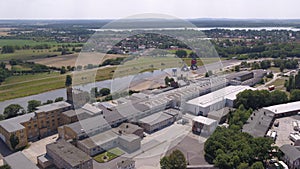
(32, 126)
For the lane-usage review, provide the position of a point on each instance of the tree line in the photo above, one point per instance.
(14, 110)
(229, 148)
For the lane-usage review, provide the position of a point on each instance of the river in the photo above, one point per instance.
(121, 83)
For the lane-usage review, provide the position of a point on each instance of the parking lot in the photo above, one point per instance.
(283, 130)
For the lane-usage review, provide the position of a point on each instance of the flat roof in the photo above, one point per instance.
(283, 108)
(68, 153)
(52, 106)
(155, 118)
(89, 125)
(204, 120)
(99, 139)
(14, 124)
(19, 161)
(129, 137)
(228, 92)
(127, 128)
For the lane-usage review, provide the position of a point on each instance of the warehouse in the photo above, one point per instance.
(158, 120)
(98, 143)
(214, 101)
(204, 126)
(287, 109)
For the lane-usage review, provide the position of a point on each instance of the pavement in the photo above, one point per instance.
(38, 148)
(283, 130)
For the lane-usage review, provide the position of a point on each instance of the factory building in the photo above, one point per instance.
(215, 100)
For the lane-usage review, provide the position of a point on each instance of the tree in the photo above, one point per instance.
(282, 67)
(5, 167)
(257, 165)
(295, 95)
(243, 166)
(175, 160)
(68, 81)
(32, 105)
(237, 68)
(59, 99)
(8, 49)
(104, 91)
(297, 80)
(13, 110)
(14, 141)
(278, 97)
(2, 117)
(181, 53)
(48, 102)
(63, 70)
(94, 92)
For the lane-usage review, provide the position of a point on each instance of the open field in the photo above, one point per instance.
(72, 59)
(21, 42)
(279, 83)
(27, 54)
(25, 85)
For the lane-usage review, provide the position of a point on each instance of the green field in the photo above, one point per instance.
(27, 54)
(108, 155)
(21, 42)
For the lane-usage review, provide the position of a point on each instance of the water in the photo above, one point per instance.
(207, 28)
(52, 95)
(124, 81)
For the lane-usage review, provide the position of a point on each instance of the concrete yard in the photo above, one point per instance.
(283, 130)
(38, 148)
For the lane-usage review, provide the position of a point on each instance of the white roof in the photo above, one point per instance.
(228, 92)
(204, 120)
(283, 108)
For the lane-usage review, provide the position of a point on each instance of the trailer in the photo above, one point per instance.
(295, 125)
(294, 137)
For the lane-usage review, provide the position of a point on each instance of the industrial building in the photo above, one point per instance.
(99, 143)
(215, 100)
(84, 128)
(64, 155)
(204, 126)
(287, 109)
(158, 120)
(107, 140)
(32, 126)
(291, 155)
(19, 161)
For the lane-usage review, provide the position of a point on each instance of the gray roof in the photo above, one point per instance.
(127, 128)
(19, 161)
(14, 124)
(89, 125)
(68, 153)
(52, 106)
(99, 139)
(260, 123)
(291, 152)
(129, 137)
(155, 118)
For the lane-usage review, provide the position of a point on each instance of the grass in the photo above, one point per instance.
(275, 69)
(27, 54)
(279, 83)
(22, 42)
(25, 85)
(29, 87)
(108, 155)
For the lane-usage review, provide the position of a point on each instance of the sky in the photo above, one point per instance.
(118, 9)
